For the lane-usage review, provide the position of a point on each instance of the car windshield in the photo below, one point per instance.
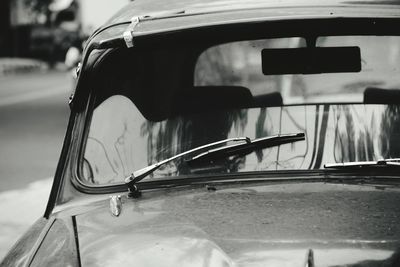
(181, 99)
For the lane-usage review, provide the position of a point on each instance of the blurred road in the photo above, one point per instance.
(33, 119)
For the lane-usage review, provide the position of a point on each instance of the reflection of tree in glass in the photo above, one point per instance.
(178, 134)
(353, 139)
(261, 131)
(344, 136)
(216, 67)
(390, 132)
(161, 136)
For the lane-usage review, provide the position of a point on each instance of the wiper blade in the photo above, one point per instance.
(245, 146)
(138, 175)
(364, 164)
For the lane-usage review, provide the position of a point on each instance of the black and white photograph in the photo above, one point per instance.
(213, 133)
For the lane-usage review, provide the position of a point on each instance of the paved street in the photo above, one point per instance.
(33, 120)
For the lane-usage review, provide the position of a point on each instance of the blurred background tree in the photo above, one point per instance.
(40, 8)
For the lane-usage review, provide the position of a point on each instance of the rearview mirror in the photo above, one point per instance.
(311, 60)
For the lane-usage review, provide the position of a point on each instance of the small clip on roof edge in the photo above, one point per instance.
(128, 33)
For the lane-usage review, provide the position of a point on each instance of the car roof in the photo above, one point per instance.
(148, 7)
(158, 16)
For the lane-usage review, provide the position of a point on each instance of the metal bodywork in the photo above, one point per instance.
(288, 219)
(260, 224)
(248, 225)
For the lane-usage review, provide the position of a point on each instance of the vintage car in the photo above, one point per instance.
(230, 133)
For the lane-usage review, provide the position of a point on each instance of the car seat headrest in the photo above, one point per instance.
(213, 98)
(381, 96)
(268, 100)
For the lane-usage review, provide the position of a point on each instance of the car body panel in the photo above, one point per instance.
(247, 225)
(159, 23)
(280, 8)
(22, 253)
(59, 247)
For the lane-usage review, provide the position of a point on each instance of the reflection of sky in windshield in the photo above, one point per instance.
(336, 133)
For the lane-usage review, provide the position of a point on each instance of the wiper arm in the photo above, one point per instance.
(138, 175)
(363, 164)
(246, 148)
(246, 145)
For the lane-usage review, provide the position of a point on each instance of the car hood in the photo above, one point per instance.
(258, 225)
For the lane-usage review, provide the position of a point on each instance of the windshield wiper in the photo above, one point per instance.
(246, 148)
(247, 145)
(364, 164)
